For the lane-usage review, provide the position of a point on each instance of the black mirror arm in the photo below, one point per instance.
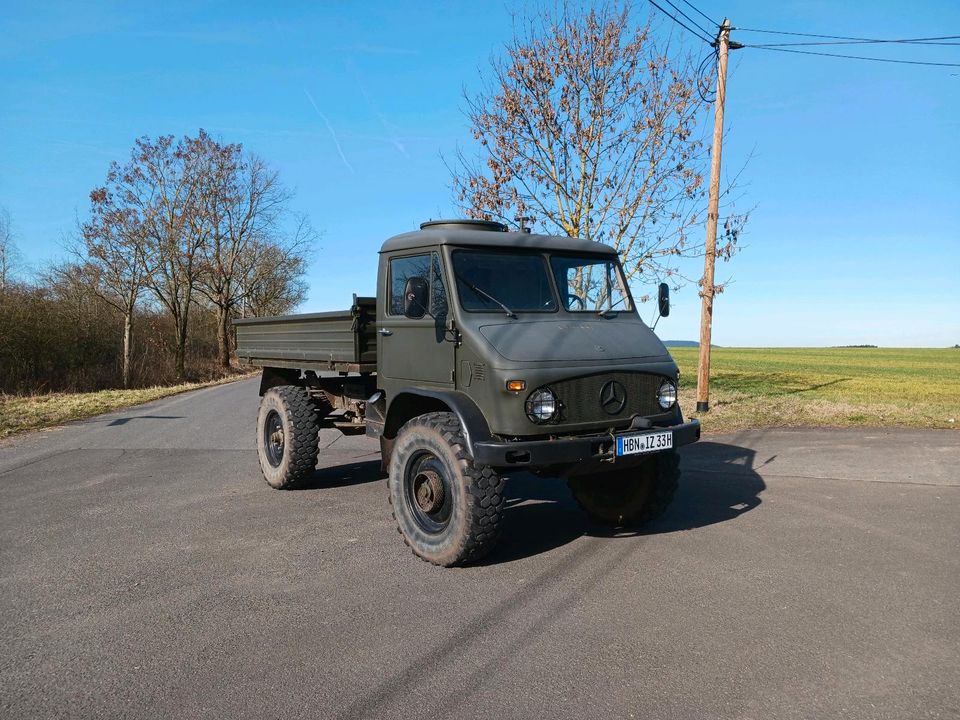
(663, 303)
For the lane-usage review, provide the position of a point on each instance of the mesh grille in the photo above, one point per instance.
(581, 396)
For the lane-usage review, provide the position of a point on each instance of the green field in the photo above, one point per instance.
(785, 387)
(750, 387)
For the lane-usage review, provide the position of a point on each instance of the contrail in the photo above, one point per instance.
(388, 129)
(330, 129)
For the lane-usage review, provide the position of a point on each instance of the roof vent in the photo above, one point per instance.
(465, 224)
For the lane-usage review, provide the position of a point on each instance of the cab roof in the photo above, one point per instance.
(484, 238)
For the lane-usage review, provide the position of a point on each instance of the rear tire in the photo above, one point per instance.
(287, 436)
(447, 508)
(632, 497)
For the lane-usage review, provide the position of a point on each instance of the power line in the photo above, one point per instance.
(839, 37)
(705, 17)
(703, 88)
(695, 24)
(905, 41)
(853, 57)
(678, 22)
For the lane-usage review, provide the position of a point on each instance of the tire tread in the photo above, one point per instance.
(484, 491)
(303, 447)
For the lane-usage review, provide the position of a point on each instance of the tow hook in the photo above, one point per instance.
(610, 455)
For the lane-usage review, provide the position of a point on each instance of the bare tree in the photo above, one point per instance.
(115, 251)
(245, 205)
(274, 284)
(163, 185)
(589, 125)
(192, 219)
(9, 256)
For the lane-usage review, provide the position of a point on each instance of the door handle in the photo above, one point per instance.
(385, 331)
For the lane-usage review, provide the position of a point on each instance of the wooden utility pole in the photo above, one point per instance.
(710, 256)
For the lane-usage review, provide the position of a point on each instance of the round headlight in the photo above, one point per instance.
(542, 405)
(667, 395)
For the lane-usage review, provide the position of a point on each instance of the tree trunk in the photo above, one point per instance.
(127, 338)
(181, 352)
(223, 336)
(181, 347)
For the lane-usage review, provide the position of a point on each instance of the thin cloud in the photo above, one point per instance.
(333, 134)
(391, 132)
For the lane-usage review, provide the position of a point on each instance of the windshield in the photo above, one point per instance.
(503, 281)
(590, 284)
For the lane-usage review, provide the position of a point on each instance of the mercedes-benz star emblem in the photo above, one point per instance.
(613, 397)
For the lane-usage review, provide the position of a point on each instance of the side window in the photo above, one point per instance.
(401, 269)
(425, 266)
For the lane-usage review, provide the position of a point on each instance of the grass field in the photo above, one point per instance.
(786, 387)
(19, 413)
(750, 387)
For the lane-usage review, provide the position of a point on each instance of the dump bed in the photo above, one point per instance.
(344, 340)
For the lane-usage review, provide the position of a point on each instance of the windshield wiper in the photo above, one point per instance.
(603, 313)
(510, 313)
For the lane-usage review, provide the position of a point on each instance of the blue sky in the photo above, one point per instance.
(853, 176)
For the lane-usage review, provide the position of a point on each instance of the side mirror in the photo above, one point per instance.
(663, 300)
(415, 298)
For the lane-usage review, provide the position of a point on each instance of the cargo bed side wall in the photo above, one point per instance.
(348, 337)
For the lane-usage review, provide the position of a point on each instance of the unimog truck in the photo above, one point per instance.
(485, 352)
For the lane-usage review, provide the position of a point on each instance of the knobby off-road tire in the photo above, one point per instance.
(447, 508)
(631, 497)
(287, 436)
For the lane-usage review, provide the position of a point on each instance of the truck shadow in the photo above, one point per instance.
(719, 483)
(336, 476)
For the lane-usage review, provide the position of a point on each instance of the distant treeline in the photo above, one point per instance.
(182, 238)
(855, 346)
(64, 338)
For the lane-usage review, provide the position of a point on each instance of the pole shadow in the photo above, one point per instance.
(125, 420)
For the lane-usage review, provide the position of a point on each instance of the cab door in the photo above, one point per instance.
(414, 350)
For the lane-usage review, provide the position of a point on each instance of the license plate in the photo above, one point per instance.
(644, 443)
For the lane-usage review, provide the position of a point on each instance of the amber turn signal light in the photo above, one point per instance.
(516, 385)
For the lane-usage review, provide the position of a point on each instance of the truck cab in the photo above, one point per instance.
(541, 333)
(496, 351)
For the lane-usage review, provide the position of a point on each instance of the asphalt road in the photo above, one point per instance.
(146, 571)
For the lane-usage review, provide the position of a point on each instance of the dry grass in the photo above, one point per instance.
(827, 387)
(750, 387)
(20, 413)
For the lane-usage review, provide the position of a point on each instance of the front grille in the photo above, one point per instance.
(580, 397)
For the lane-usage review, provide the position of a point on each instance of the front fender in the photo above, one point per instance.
(410, 402)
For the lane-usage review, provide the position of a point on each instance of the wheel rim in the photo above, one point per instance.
(428, 492)
(273, 438)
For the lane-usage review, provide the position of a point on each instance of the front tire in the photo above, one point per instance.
(287, 436)
(631, 497)
(447, 508)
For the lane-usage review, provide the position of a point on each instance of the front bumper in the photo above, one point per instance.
(569, 450)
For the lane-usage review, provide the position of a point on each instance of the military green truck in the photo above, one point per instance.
(484, 352)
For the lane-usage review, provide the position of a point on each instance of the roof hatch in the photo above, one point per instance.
(465, 224)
